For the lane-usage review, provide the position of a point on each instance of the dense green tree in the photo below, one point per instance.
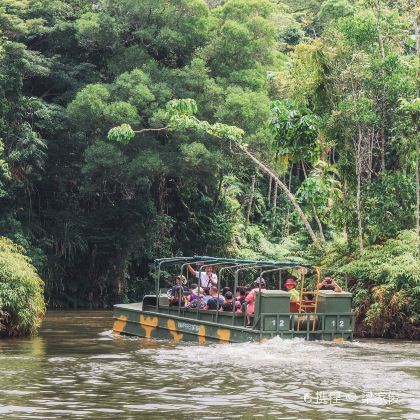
(235, 128)
(22, 304)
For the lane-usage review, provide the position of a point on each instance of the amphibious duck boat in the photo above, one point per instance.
(316, 315)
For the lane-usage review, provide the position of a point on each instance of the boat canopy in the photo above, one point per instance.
(209, 260)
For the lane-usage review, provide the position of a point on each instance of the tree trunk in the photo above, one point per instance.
(251, 198)
(358, 209)
(358, 160)
(288, 206)
(218, 192)
(370, 154)
(346, 200)
(284, 188)
(274, 209)
(357, 144)
(318, 222)
(383, 107)
(321, 230)
(383, 138)
(161, 194)
(417, 187)
(417, 36)
(269, 191)
(378, 27)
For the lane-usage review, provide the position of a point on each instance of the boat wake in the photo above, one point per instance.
(351, 368)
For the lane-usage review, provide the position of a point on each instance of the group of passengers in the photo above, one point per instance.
(205, 297)
(205, 294)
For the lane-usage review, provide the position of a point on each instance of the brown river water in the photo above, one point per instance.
(77, 368)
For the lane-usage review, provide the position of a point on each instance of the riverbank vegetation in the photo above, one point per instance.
(22, 304)
(323, 93)
(385, 282)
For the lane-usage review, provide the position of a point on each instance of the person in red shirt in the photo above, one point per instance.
(259, 283)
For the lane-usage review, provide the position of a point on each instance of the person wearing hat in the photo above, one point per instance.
(195, 291)
(178, 291)
(196, 298)
(328, 283)
(290, 286)
(259, 284)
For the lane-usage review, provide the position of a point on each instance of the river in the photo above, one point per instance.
(77, 368)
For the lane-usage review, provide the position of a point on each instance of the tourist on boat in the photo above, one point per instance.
(259, 284)
(205, 278)
(308, 303)
(215, 294)
(178, 292)
(215, 300)
(207, 295)
(196, 297)
(225, 290)
(195, 291)
(213, 304)
(228, 304)
(198, 302)
(240, 296)
(328, 283)
(310, 298)
(290, 286)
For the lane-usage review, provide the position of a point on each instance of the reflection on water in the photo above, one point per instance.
(77, 368)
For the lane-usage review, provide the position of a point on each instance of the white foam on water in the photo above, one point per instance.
(111, 356)
(7, 409)
(107, 410)
(113, 376)
(262, 354)
(61, 359)
(301, 365)
(14, 392)
(61, 381)
(107, 333)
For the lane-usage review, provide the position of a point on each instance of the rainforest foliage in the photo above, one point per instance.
(22, 304)
(128, 130)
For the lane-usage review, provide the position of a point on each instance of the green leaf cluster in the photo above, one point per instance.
(22, 306)
(390, 273)
(118, 123)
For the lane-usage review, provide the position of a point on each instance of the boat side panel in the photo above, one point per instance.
(134, 321)
(162, 326)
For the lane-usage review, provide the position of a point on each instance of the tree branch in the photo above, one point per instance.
(150, 129)
(291, 197)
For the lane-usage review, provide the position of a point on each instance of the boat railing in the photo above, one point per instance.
(260, 268)
(238, 267)
(173, 260)
(211, 262)
(203, 268)
(272, 271)
(278, 323)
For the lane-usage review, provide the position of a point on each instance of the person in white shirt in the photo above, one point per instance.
(206, 278)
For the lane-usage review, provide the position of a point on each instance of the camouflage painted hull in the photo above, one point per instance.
(206, 326)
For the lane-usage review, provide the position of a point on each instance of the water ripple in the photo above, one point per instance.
(89, 372)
